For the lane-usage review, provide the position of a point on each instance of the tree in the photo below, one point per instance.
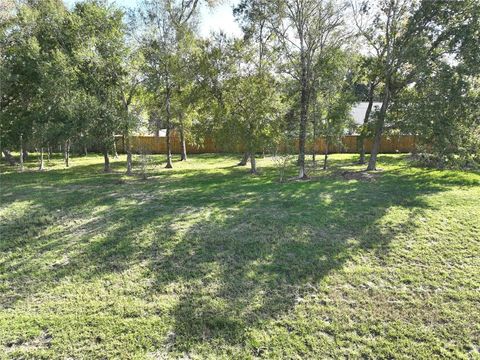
(130, 89)
(168, 26)
(253, 112)
(37, 97)
(443, 111)
(383, 25)
(407, 38)
(333, 97)
(99, 52)
(304, 28)
(216, 67)
(369, 73)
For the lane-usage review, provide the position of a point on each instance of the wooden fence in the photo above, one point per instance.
(158, 145)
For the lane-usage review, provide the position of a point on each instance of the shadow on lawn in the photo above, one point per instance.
(238, 250)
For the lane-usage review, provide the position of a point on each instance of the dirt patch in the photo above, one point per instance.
(360, 175)
(368, 176)
(41, 341)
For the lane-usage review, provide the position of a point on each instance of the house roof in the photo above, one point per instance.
(359, 109)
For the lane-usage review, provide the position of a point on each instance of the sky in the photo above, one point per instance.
(216, 19)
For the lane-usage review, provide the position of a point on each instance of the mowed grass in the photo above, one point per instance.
(208, 262)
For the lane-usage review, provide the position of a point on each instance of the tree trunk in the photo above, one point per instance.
(372, 164)
(361, 159)
(169, 145)
(66, 153)
(253, 163)
(8, 157)
(184, 146)
(244, 160)
(325, 156)
(314, 148)
(361, 138)
(106, 159)
(21, 152)
(85, 150)
(129, 154)
(158, 127)
(303, 125)
(41, 167)
(49, 153)
(169, 148)
(115, 153)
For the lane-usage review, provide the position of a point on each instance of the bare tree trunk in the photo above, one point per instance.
(372, 164)
(41, 167)
(158, 127)
(115, 153)
(106, 159)
(169, 148)
(49, 152)
(129, 154)
(184, 146)
(361, 159)
(325, 155)
(303, 124)
(314, 150)
(244, 160)
(66, 153)
(8, 157)
(69, 145)
(21, 152)
(253, 163)
(85, 149)
(365, 122)
(169, 145)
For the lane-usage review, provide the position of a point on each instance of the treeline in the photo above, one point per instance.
(80, 76)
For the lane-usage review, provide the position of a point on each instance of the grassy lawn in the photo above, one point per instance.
(207, 262)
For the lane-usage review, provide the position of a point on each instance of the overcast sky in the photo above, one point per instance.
(218, 18)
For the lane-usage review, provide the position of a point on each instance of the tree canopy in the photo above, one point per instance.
(80, 76)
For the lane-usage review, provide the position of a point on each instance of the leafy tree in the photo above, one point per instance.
(333, 97)
(216, 66)
(407, 38)
(99, 54)
(384, 24)
(39, 81)
(168, 31)
(443, 111)
(303, 29)
(254, 112)
(369, 73)
(130, 91)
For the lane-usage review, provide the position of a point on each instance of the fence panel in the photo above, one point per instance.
(349, 144)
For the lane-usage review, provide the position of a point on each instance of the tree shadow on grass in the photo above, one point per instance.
(235, 250)
(252, 261)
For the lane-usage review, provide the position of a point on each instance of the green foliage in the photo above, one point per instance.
(334, 95)
(444, 112)
(253, 112)
(442, 105)
(38, 75)
(99, 54)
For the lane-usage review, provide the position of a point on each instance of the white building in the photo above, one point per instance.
(359, 109)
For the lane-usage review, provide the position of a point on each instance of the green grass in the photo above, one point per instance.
(208, 262)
